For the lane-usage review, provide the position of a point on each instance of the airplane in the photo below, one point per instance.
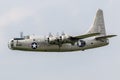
(94, 38)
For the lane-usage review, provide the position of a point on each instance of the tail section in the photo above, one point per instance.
(98, 25)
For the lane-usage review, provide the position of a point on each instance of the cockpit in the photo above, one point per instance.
(13, 42)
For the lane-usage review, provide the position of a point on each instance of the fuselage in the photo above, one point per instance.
(41, 44)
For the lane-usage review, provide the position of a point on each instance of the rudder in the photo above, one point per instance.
(98, 25)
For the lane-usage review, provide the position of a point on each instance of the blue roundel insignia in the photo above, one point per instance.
(34, 45)
(81, 43)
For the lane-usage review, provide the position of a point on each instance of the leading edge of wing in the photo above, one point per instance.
(84, 36)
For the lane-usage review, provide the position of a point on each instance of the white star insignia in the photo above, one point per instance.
(34, 45)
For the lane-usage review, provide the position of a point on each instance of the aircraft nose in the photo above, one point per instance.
(10, 44)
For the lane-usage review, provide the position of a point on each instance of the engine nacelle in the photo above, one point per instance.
(58, 40)
(51, 39)
(64, 37)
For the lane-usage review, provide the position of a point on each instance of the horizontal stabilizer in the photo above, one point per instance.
(84, 36)
(105, 37)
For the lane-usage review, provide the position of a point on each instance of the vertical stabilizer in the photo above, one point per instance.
(98, 25)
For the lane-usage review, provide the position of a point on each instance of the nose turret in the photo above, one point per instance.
(11, 44)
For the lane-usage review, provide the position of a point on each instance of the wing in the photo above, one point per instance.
(68, 39)
(105, 37)
(84, 36)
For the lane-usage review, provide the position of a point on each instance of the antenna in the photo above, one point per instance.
(21, 34)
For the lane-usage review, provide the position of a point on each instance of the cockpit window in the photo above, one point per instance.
(18, 38)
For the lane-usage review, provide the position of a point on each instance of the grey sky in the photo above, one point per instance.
(71, 16)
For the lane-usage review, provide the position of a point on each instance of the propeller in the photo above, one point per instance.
(58, 39)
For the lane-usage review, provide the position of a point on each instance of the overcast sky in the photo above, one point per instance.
(71, 16)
